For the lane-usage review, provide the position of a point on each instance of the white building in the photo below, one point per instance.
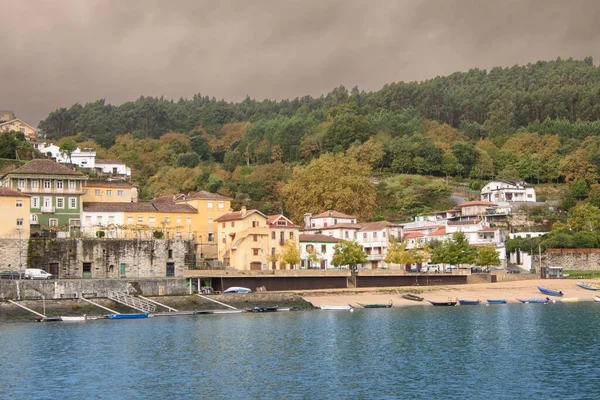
(113, 167)
(375, 239)
(85, 158)
(522, 258)
(321, 246)
(508, 190)
(327, 219)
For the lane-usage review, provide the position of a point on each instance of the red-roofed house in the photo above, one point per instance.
(317, 251)
(327, 219)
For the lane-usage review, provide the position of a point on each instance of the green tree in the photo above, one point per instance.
(455, 250)
(290, 254)
(579, 188)
(585, 217)
(348, 253)
(331, 182)
(486, 256)
(67, 147)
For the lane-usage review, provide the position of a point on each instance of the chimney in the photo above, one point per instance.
(243, 211)
(307, 218)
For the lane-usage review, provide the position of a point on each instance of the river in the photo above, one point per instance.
(496, 352)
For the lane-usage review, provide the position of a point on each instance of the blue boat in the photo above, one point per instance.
(550, 292)
(535, 300)
(500, 301)
(587, 286)
(128, 316)
(469, 302)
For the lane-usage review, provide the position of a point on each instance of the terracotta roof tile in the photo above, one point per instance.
(8, 192)
(143, 206)
(318, 238)
(373, 226)
(45, 167)
(333, 214)
(237, 215)
(413, 235)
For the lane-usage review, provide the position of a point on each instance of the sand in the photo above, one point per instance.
(509, 291)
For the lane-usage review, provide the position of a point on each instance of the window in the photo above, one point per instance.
(232, 224)
(97, 192)
(364, 235)
(383, 234)
(59, 184)
(323, 248)
(224, 241)
(170, 255)
(130, 220)
(111, 219)
(220, 204)
(283, 223)
(151, 220)
(211, 237)
(188, 220)
(21, 184)
(210, 220)
(140, 220)
(309, 247)
(47, 184)
(374, 235)
(255, 252)
(34, 219)
(47, 202)
(346, 234)
(87, 192)
(60, 202)
(209, 204)
(88, 219)
(19, 221)
(223, 226)
(53, 222)
(19, 204)
(178, 220)
(273, 235)
(35, 202)
(335, 221)
(99, 219)
(108, 193)
(254, 224)
(119, 193)
(167, 219)
(72, 202)
(255, 238)
(291, 235)
(72, 185)
(35, 184)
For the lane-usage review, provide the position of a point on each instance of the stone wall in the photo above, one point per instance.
(574, 259)
(13, 252)
(111, 258)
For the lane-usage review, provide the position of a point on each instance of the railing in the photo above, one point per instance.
(49, 209)
(133, 302)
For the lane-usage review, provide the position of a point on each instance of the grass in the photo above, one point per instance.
(581, 274)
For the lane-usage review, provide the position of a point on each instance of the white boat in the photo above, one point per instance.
(570, 300)
(237, 289)
(228, 311)
(596, 299)
(72, 319)
(336, 307)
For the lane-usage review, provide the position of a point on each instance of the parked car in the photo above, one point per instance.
(449, 269)
(10, 275)
(513, 270)
(430, 268)
(36, 273)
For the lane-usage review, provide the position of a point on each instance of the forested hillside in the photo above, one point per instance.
(539, 122)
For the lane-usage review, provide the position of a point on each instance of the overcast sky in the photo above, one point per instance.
(57, 53)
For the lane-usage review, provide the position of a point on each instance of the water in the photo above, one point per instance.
(496, 352)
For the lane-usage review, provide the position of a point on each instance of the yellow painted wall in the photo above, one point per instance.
(10, 214)
(90, 195)
(242, 256)
(140, 224)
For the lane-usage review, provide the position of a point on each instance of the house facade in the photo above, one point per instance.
(316, 251)
(508, 190)
(96, 191)
(375, 238)
(111, 167)
(15, 209)
(55, 193)
(18, 125)
(327, 219)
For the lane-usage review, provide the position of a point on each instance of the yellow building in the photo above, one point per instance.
(109, 192)
(15, 211)
(250, 240)
(18, 125)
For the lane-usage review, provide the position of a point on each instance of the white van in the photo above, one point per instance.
(36, 273)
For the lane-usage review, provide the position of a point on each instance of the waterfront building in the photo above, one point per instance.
(375, 238)
(106, 191)
(327, 219)
(15, 209)
(55, 190)
(317, 251)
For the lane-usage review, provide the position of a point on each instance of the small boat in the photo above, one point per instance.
(498, 301)
(73, 319)
(128, 316)
(348, 307)
(550, 292)
(237, 289)
(413, 297)
(587, 286)
(535, 300)
(443, 303)
(376, 305)
(283, 309)
(48, 319)
(570, 300)
(264, 309)
(469, 302)
(596, 299)
(228, 311)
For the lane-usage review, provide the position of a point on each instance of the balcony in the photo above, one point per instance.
(49, 209)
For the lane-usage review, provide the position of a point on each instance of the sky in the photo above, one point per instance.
(58, 53)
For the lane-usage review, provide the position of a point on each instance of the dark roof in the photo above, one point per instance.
(144, 206)
(7, 192)
(333, 214)
(318, 238)
(44, 167)
(202, 195)
(237, 215)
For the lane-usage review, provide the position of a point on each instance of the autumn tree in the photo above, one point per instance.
(290, 254)
(331, 182)
(348, 253)
(486, 256)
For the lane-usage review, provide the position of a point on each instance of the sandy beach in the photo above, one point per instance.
(510, 291)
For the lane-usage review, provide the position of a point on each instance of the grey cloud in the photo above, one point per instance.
(75, 51)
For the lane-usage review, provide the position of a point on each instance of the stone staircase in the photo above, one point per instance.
(132, 301)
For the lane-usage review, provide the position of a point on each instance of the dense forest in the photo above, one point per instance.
(539, 122)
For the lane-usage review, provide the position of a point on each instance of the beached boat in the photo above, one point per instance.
(443, 303)
(237, 289)
(596, 299)
(535, 300)
(264, 309)
(587, 286)
(570, 300)
(376, 305)
(413, 297)
(228, 311)
(496, 301)
(550, 292)
(469, 302)
(348, 307)
(128, 316)
(48, 319)
(73, 319)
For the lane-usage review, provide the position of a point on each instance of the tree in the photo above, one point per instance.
(584, 217)
(455, 250)
(290, 254)
(450, 164)
(579, 188)
(575, 166)
(331, 182)
(397, 253)
(486, 256)
(67, 147)
(348, 253)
